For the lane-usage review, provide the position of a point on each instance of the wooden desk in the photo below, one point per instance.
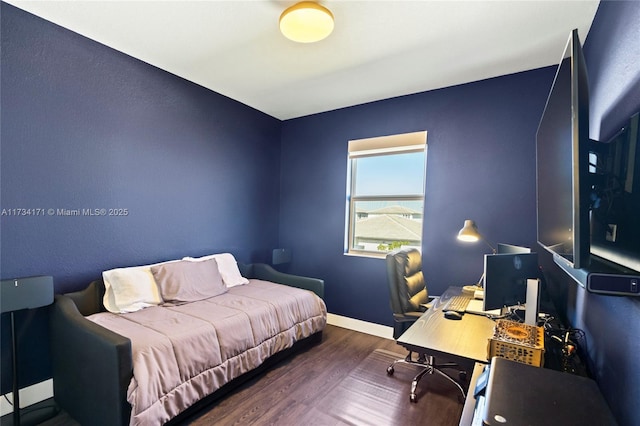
(466, 338)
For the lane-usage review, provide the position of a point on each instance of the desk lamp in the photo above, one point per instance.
(470, 234)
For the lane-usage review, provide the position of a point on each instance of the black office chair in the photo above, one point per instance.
(409, 299)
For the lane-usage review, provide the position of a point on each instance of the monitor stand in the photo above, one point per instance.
(532, 303)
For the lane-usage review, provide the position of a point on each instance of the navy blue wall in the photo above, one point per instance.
(611, 324)
(480, 165)
(86, 127)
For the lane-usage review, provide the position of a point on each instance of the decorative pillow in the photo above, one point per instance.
(186, 281)
(227, 266)
(109, 300)
(130, 289)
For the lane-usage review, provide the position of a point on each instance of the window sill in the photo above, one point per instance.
(367, 254)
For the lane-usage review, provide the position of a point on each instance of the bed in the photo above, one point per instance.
(161, 361)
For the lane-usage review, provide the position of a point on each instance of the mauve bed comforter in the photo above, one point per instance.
(184, 353)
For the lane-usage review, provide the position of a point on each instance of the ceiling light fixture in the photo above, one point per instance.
(306, 22)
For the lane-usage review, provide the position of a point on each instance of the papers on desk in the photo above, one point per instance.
(478, 412)
(475, 307)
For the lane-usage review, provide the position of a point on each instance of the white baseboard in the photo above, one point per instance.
(28, 396)
(362, 326)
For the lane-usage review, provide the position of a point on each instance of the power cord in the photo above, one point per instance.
(510, 314)
(570, 341)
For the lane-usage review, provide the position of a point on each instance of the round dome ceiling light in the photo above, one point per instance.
(306, 22)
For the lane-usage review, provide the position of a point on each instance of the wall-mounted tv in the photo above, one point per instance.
(562, 161)
(615, 214)
(587, 192)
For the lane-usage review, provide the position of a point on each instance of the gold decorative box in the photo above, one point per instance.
(517, 342)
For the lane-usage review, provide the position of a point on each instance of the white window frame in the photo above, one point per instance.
(379, 146)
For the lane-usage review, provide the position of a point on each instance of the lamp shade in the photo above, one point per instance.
(306, 22)
(469, 232)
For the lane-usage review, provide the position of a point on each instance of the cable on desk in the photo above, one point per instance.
(511, 314)
(571, 342)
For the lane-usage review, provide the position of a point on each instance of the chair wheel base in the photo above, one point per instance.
(428, 365)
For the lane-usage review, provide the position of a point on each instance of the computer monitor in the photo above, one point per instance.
(505, 278)
(505, 249)
(509, 248)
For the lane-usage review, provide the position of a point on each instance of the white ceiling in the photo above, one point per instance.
(379, 49)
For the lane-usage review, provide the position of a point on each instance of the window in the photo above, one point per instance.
(385, 193)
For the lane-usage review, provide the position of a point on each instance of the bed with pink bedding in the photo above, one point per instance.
(148, 366)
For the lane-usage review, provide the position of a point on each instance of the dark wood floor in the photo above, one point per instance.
(306, 377)
(294, 386)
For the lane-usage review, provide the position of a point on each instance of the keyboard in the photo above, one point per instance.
(475, 306)
(457, 303)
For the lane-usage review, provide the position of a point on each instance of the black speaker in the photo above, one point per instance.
(613, 284)
(280, 256)
(26, 293)
(18, 294)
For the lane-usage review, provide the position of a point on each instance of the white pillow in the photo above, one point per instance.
(109, 300)
(227, 266)
(130, 289)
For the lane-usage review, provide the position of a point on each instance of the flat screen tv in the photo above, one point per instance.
(615, 214)
(562, 161)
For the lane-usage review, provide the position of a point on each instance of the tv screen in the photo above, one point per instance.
(562, 158)
(615, 223)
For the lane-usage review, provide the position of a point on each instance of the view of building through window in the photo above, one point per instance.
(385, 196)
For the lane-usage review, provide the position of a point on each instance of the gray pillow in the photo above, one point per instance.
(185, 281)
